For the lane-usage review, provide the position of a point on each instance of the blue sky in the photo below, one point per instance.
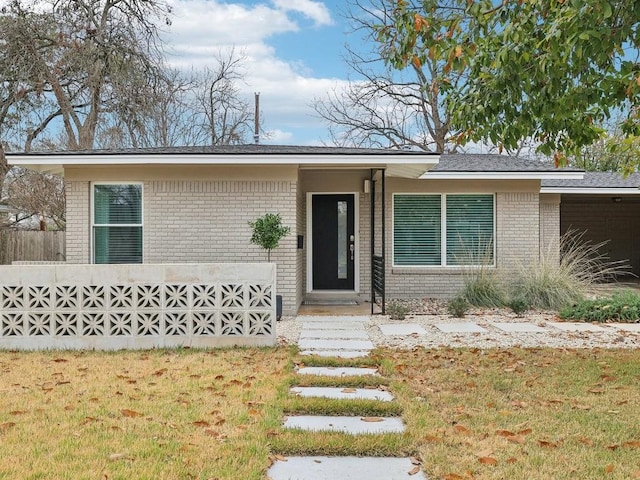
(293, 50)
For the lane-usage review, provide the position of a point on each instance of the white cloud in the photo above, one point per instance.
(203, 28)
(317, 11)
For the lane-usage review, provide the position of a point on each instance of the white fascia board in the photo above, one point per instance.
(204, 159)
(592, 191)
(501, 175)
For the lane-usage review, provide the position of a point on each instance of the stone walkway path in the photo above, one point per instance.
(343, 337)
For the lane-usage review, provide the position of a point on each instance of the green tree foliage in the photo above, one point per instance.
(550, 70)
(268, 231)
(611, 153)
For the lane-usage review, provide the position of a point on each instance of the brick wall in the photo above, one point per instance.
(78, 221)
(517, 242)
(208, 221)
(550, 227)
(187, 221)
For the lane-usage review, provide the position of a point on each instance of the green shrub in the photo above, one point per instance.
(458, 306)
(397, 311)
(483, 288)
(518, 305)
(552, 282)
(621, 307)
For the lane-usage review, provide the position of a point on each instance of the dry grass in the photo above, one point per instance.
(522, 413)
(158, 414)
(470, 414)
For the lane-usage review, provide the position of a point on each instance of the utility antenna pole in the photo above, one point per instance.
(256, 132)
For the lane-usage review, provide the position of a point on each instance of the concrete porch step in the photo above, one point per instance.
(344, 468)
(342, 393)
(349, 425)
(320, 325)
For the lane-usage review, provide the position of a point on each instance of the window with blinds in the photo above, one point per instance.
(440, 230)
(117, 223)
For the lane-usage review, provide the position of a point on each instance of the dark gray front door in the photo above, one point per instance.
(333, 242)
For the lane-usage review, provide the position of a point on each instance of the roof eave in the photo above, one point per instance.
(592, 191)
(502, 175)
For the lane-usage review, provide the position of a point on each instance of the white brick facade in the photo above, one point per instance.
(203, 216)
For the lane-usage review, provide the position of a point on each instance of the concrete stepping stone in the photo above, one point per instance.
(311, 344)
(521, 327)
(337, 353)
(334, 334)
(577, 327)
(627, 327)
(401, 329)
(350, 425)
(338, 371)
(460, 327)
(342, 393)
(344, 468)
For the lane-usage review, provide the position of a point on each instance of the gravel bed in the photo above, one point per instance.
(428, 313)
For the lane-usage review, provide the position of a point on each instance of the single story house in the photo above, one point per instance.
(414, 219)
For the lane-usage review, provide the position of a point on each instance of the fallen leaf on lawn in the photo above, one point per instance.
(613, 446)
(201, 423)
(432, 438)
(415, 461)
(348, 390)
(526, 431)
(18, 412)
(453, 476)
(488, 461)
(596, 390)
(519, 404)
(414, 470)
(6, 426)
(516, 439)
(280, 458)
(631, 444)
(586, 441)
(461, 429)
(504, 433)
(547, 444)
(160, 372)
(582, 407)
(512, 460)
(635, 474)
(609, 468)
(372, 419)
(130, 413)
(253, 411)
(60, 360)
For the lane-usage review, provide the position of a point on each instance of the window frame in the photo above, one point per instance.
(93, 217)
(443, 230)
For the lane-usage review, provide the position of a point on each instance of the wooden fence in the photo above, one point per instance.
(31, 246)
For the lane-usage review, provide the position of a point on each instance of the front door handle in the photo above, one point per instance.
(352, 249)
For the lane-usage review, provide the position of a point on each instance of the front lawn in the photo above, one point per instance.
(189, 414)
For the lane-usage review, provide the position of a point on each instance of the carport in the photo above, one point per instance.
(606, 206)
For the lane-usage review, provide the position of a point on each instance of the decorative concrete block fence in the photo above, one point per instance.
(111, 307)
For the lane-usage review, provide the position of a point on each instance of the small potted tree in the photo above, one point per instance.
(267, 233)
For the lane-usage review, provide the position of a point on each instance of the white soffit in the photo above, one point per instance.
(592, 191)
(411, 166)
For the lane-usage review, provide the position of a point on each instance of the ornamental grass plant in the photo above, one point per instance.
(556, 281)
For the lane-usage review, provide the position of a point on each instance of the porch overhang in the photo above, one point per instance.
(397, 163)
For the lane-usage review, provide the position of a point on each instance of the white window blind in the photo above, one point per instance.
(117, 223)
